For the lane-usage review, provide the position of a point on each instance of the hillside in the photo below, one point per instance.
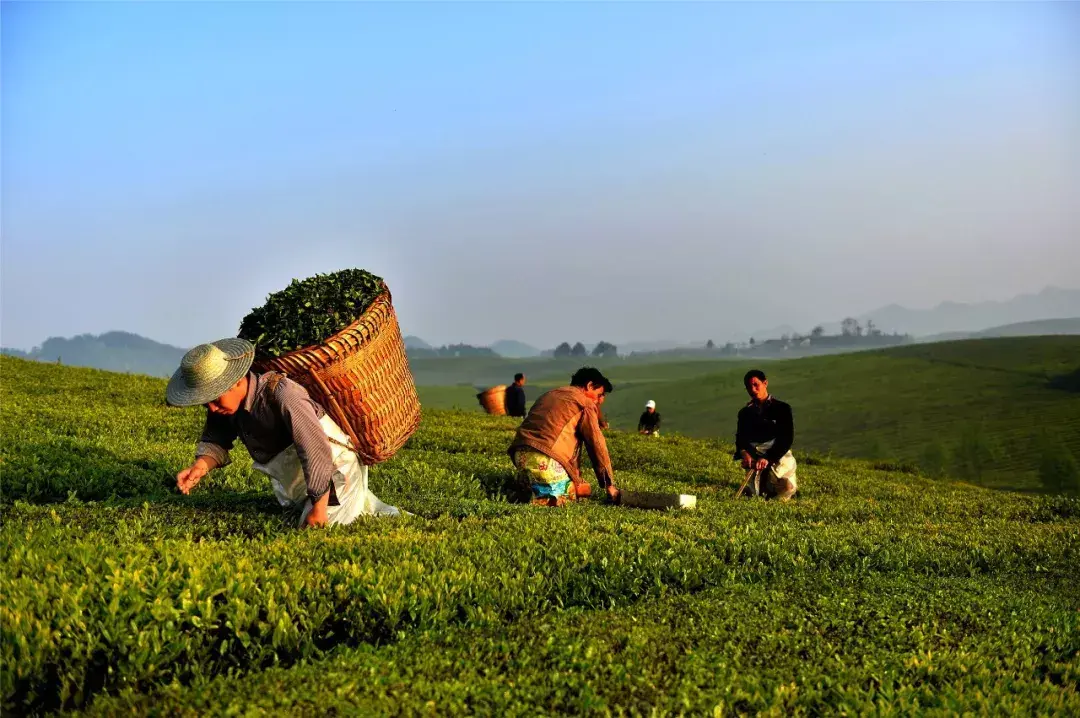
(412, 342)
(513, 349)
(1041, 327)
(982, 410)
(112, 351)
(872, 592)
(975, 317)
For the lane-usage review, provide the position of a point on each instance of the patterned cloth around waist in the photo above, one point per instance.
(544, 476)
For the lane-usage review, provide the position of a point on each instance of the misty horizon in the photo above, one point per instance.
(761, 333)
(539, 173)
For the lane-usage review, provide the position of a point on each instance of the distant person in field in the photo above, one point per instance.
(515, 396)
(308, 458)
(547, 448)
(649, 423)
(763, 439)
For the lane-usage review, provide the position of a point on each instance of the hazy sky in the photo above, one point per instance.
(542, 171)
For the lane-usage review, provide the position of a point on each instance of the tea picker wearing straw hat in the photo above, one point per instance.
(308, 458)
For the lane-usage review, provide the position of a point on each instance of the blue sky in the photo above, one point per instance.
(537, 171)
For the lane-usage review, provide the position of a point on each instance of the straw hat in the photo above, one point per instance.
(208, 371)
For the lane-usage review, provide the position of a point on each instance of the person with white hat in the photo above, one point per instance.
(649, 423)
(308, 458)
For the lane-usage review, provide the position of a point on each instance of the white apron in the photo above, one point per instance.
(783, 469)
(350, 481)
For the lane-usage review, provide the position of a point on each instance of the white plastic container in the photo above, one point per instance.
(653, 500)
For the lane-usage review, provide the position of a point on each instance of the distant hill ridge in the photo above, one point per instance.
(1040, 327)
(113, 351)
(1050, 303)
(1052, 311)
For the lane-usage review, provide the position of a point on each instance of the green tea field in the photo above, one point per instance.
(981, 410)
(876, 591)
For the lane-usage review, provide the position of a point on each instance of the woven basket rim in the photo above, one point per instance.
(261, 356)
(398, 412)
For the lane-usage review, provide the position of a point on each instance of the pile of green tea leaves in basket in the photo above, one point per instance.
(310, 311)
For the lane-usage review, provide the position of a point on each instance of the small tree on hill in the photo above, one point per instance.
(563, 350)
(974, 454)
(876, 449)
(1058, 470)
(817, 331)
(605, 349)
(1067, 382)
(850, 327)
(579, 350)
(934, 460)
(709, 345)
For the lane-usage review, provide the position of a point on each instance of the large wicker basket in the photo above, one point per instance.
(494, 400)
(361, 377)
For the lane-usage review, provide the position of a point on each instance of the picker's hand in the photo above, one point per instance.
(189, 477)
(747, 460)
(317, 516)
(613, 494)
(761, 465)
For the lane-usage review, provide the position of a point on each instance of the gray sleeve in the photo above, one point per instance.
(301, 416)
(218, 437)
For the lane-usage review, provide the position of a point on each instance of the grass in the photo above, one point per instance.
(982, 410)
(875, 591)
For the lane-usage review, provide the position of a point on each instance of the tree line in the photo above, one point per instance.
(852, 333)
(602, 349)
(452, 350)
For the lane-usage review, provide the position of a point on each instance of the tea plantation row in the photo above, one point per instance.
(872, 592)
(813, 646)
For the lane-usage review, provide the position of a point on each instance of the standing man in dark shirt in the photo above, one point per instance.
(649, 423)
(515, 396)
(763, 439)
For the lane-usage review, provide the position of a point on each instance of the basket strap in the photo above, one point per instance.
(332, 440)
(273, 378)
(334, 409)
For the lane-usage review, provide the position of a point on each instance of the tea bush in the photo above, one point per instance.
(806, 646)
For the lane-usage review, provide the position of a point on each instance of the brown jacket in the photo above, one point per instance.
(558, 424)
